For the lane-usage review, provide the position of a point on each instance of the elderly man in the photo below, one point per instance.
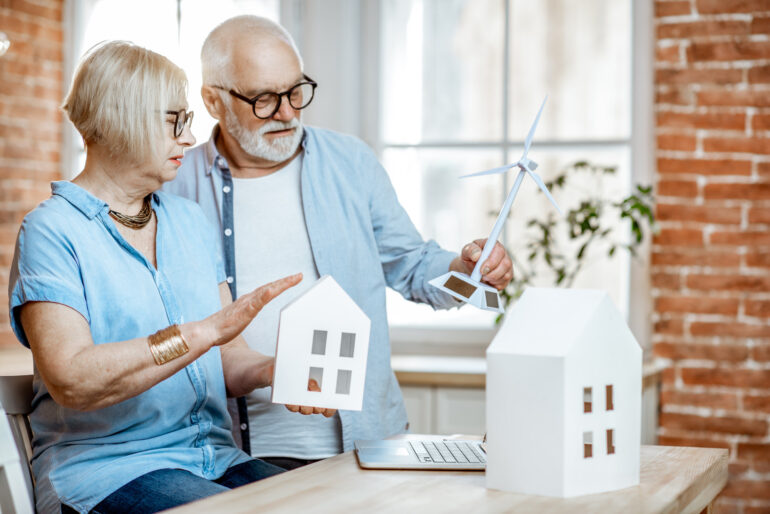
(289, 198)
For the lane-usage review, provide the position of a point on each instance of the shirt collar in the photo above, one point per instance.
(84, 201)
(216, 160)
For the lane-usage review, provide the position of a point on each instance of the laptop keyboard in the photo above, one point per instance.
(447, 452)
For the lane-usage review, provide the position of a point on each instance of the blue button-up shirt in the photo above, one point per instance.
(69, 252)
(359, 234)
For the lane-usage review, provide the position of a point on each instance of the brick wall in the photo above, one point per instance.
(711, 261)
(30, 122)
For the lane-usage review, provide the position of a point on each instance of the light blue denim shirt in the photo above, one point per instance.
(359, 234)
(69, 252)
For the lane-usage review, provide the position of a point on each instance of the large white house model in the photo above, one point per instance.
(323, 336)
(564, 390)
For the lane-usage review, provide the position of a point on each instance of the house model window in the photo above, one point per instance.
(610, 441)
(610, 405)
(588, 438)
(586, 399)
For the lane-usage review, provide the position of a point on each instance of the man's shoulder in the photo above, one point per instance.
(326, 140)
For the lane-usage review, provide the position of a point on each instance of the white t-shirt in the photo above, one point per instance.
(271, 242)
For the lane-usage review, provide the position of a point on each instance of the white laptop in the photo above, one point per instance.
(422, 453)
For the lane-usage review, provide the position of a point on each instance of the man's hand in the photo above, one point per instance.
(497, 271)
(312, 385)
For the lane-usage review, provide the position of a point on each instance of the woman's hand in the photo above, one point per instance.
(233, 318)
(312, 385)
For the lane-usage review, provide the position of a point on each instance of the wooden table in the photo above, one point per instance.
(673, 479)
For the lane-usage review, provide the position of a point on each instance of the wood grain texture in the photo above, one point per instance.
(672, 480)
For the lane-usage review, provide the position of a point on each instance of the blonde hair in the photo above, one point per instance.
(119, 96)
(216, 54)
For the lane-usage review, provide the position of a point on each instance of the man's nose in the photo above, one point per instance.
(285, 111)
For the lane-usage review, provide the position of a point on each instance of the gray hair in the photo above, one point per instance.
(216, 62)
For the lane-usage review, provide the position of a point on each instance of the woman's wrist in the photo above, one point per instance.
(198, 337)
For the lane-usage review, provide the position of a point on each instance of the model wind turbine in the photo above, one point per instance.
(470, 289)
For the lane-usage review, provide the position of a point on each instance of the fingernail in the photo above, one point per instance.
(485, 270)
(476, 253)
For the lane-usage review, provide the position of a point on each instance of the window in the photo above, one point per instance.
(610, 441)
(343, 381)
(319, 342)
(608, 394)
(461, 82)
(174, 28)
(587, 399)
(316, 374)
(588, 438)
(347, 344)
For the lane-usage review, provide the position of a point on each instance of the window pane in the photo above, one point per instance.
(599, 271)
(447, 209)
(579, 53)
(441, 70)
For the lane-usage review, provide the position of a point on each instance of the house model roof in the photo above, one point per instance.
(550, 321)
(325, 289)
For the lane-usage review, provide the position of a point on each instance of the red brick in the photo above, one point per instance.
(679, 237)
(702, 120)
(728, 329)
(669, 375)
(671, 53)
(676, 96)
(754, 508)
(757, 402)
(738, 378)
(732, 6)
(726, 401)
(697, 304)
(695, 257)
(698, 214)
(763, 170)
(666, 280)
(703, 28)
(754, 451)
(744, 98)
(736, 469)
(760, 122)
(679, 188)
(759, 74)
(51, 11)
(726, 424)
(755, 191)
(666, 440)
(741, 238)
(759, 489)
(735, 50)
(757, 145)
(676, 142)
(688, 351)
(759, 308)
(704, 166)
(672, 8)
(761, 353)
(760, 24)
(672, 327)
(690, 76)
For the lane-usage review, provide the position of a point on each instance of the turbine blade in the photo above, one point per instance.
(493, 171)
(528, 141)
(542, 187)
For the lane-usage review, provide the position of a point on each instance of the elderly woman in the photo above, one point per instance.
(120, 294)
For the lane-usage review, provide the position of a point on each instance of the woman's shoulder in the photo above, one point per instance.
(177, 205)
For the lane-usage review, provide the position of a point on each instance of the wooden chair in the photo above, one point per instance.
(16, 480)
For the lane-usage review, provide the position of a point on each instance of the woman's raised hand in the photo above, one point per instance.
(226, 324)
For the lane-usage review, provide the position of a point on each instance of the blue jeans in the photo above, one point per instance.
(167, 488)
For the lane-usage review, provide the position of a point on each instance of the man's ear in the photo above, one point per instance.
(213, 102)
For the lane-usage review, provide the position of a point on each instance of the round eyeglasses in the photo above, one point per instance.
(182, 118)
(265, 105)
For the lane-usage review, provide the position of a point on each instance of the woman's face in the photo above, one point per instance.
(174, 144)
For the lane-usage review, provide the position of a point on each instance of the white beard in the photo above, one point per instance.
(254, 142)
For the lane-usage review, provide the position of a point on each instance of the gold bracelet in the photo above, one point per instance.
(167, 344)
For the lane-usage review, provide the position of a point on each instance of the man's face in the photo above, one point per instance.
(269, 66)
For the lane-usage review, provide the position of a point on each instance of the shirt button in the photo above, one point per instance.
(228, 232)
(226, 189)
(229, 280)
(244, 426)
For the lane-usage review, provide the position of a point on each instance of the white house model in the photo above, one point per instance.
(323, 336)
(564, 390)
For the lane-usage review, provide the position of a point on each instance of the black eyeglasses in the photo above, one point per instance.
(182, 118)
(265, 105)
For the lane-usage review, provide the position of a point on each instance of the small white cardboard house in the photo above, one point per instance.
(564, 390)
(322, 335)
